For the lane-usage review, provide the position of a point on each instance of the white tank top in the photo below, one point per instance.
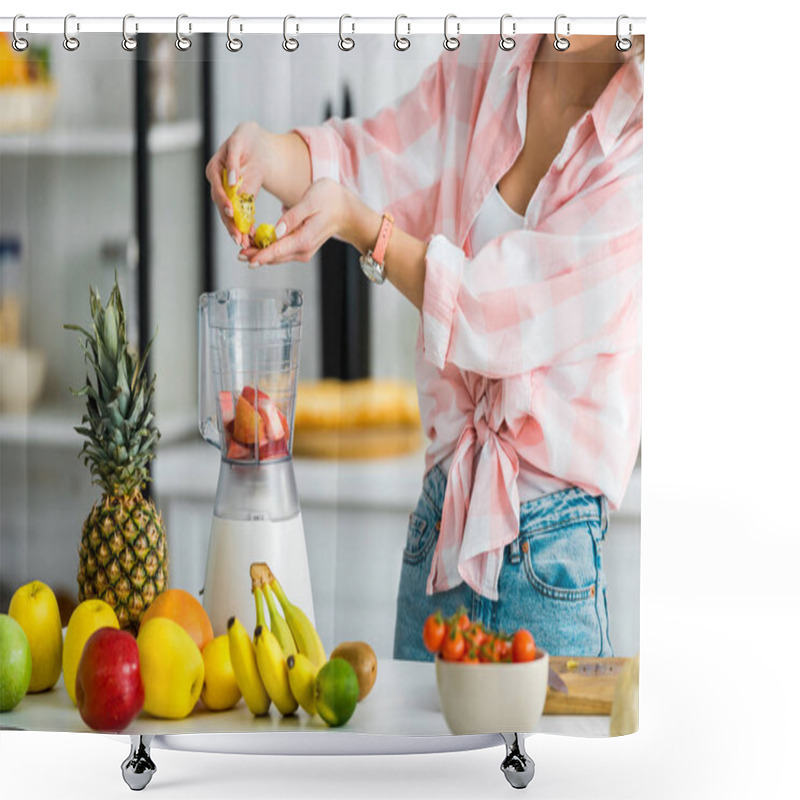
(494, 219)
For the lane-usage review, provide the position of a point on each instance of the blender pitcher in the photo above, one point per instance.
(249, 344)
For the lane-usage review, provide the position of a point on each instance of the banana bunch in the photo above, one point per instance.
(279, 665)
(245, 668)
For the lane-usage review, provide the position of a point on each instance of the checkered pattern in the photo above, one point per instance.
(528, 359)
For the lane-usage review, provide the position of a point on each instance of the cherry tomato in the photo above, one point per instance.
(433, 632)
(464, 621)
(476, 634)
(504, 647)
(485, 653)
(471, 657)
(497, 648)
(523, 647)
(454, 646)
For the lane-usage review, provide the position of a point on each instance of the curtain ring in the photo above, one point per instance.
(507, 42)
(70, 42)
(182, 42)
(401, 42)
(561, 44)
(623, 44)
(451, 42)
(345, 42)
(233, 44)
(129, 43)
(290, 44)
(17, 42)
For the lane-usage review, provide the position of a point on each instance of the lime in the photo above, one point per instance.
(336, 692)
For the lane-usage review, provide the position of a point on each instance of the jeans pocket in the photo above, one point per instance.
(561, 562)
(419, 540)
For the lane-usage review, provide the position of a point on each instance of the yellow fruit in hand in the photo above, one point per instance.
(35, 608)
(244, 205)
(220, 690)
(172, 669)
(265, 235)
(89, 616)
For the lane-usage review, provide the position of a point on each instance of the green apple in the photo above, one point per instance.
(15, 663)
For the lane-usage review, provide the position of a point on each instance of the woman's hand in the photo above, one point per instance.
(245, 154)
(327, 209)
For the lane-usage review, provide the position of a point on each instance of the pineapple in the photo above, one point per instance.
(123, 549)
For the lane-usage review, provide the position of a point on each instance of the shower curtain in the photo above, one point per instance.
(464, 223)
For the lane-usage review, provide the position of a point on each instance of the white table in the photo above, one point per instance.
(400, 716)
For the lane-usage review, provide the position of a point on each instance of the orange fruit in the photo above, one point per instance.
(186, 610)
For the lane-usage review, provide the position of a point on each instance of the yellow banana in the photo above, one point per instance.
(273, 670)
(245, 668)
(278, 625)
(304, 633)
(244, 205)
(302, 680)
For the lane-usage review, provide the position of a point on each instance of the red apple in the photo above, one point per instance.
(108, 686)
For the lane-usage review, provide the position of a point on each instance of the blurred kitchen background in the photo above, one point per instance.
(102, 157)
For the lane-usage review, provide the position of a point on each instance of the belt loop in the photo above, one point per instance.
(513, 552)
(603, 516)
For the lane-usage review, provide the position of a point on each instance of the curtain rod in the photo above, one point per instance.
(407, 26)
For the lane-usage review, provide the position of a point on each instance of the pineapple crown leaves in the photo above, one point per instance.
(118, 423)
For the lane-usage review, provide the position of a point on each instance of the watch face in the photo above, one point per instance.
(372, 269)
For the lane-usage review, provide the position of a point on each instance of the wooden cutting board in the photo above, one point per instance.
(590, 684)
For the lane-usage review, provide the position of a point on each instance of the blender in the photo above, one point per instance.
(249, 343)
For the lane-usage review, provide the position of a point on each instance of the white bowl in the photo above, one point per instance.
(21, 378)
(493, 698)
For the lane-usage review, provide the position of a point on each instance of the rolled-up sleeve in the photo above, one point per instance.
(533, 298)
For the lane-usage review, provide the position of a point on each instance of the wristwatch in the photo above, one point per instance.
(372, 262)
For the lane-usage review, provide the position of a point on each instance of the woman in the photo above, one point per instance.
(514, 183)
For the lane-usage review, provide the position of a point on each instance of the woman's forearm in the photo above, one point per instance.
(289, 173)
(405, 254)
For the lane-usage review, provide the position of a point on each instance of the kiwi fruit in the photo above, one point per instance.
(362, 659)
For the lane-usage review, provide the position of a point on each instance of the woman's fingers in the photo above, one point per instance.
(299, 245)
(218, 196)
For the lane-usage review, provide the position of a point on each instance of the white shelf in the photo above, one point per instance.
(55, 427)
(164, 137)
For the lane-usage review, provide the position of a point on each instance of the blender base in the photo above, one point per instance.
(233, 547)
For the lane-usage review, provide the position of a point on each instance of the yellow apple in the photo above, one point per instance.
(89, 616)
(220, 690)
(35, 608)
(172, 669)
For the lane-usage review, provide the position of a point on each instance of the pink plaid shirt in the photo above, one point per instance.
(529, 353)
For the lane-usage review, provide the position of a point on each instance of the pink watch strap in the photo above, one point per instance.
(379, 251)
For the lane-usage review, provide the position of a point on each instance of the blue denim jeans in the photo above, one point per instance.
(551, 581)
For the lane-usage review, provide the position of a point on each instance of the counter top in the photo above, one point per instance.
(190, 471)
(403, 703)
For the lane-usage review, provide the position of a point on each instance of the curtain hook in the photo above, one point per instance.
(561, 44)
(233, 44)
(17, 42)
(623, 44)
(401, 42)
(71, 43)
(345, 42)
(451, 42)
(129, 43)
(507, 42)
(182, 42)
(290, 44)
